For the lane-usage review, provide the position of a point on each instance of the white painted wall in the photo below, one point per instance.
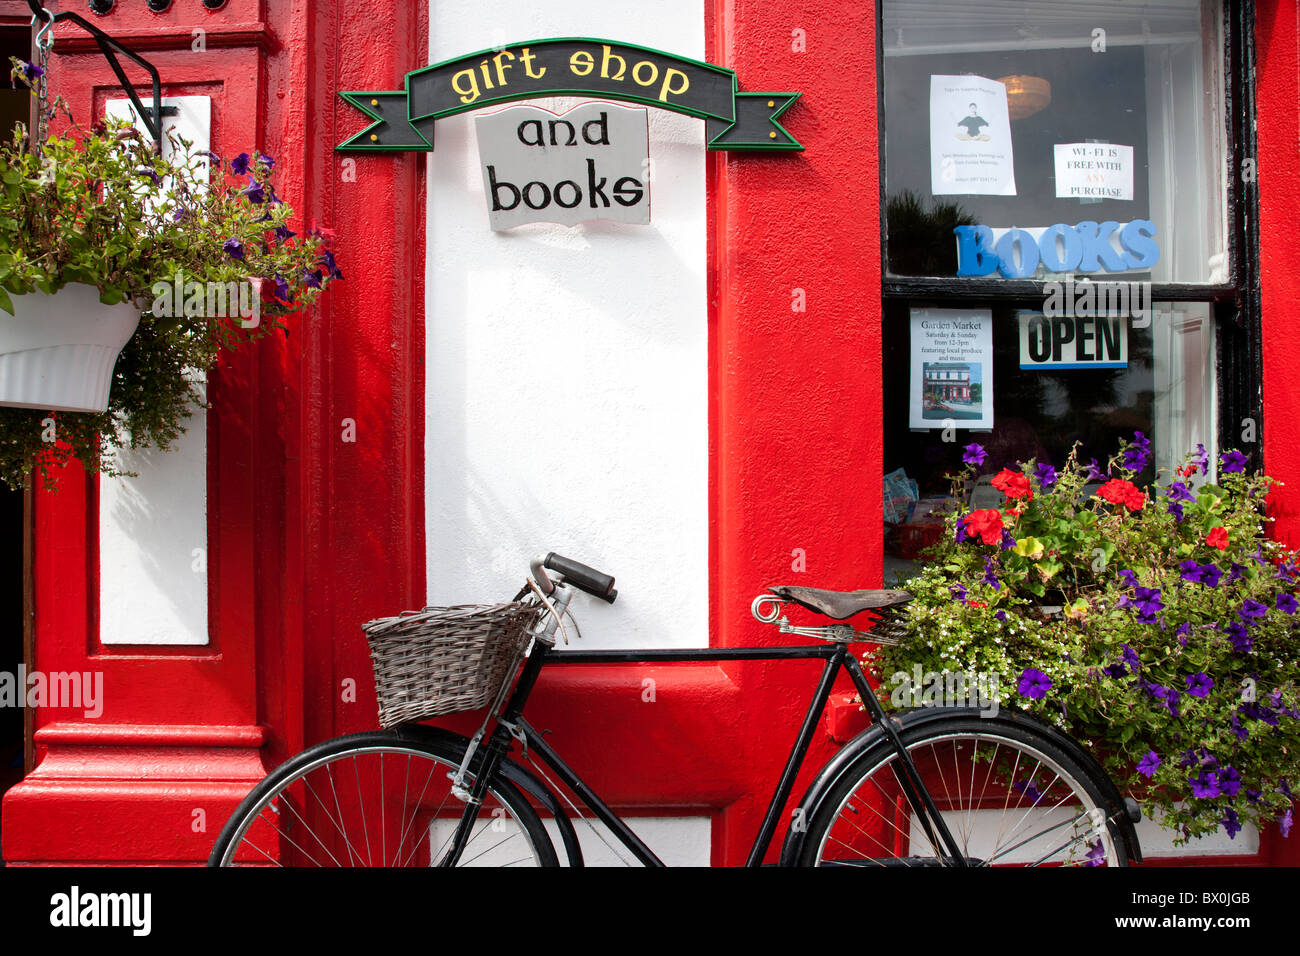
(566, 396)
(153, 587)
(566, 376)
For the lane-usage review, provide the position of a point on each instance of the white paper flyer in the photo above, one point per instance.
(970, 138)
(1093, 171)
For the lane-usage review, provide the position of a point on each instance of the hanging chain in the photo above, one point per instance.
(44, 40)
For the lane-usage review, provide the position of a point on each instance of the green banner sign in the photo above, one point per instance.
(403, 119)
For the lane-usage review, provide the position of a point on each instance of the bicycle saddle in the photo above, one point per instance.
(839, 605)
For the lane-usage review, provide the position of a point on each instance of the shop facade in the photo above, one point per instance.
(702, 404)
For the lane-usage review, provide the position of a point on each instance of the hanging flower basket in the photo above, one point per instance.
(57, 351)
(109, 246)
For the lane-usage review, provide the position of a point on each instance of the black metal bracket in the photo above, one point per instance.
(152, 116)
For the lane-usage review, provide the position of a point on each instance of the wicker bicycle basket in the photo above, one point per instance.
(442, 660)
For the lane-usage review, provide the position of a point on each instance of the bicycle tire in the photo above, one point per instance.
(304, 813)
(1009, 794)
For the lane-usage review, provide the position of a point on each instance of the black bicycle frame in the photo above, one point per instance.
(511, 724)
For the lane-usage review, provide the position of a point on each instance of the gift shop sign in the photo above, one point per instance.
(588, 163)
(403, 119)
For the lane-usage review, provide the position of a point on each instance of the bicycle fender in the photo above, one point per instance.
(839, 764)
(520, 776)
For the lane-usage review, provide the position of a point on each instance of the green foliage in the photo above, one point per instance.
(102, 208)
(1160, 636)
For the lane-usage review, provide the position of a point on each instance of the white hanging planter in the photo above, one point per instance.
(57, 351)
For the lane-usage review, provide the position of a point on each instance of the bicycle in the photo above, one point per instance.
(931, 786)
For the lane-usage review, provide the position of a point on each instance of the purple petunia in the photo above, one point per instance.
(1129, 578)
(1138, 454)
(1147, 603)
(1149, 765)
(1207, 574)
(1028, 789)
(973, 454)
(254, 192)
(1034, 684)
(1199, 684)
(282, 289)
(331, 267)
(1096, 855)
(32, 72)
(1008, 541)
(1202, 459)
(1240, 637)
(1131, 658)
(1229, 781)
(1238, 728)
(1286, 603)
(148, 173)
(311, 278)
(1284, 823)
(1233, 461)
(268, 160)
(239, 165)
(1236, 571)
(1230, 824)
(234, 248)
(990, 577)
(960, 535)
(1251, 611)
(1205, 784)
(1046, 474)
(958, 592)
(1178, 492)
(1001, 615)
(1094, 471)
(284, 233)
(1176, 509)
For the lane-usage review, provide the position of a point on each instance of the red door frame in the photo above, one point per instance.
(311, 535)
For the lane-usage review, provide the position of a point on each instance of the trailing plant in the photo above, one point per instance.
(101, 207)
(1157, 626)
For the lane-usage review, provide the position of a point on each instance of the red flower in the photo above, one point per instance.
(1120, 492)
(1013, 484)
(977, 604)
(985, 524)
(1187, 471)
(1218, 538)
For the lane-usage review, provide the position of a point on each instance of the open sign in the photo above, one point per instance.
(1073, 341)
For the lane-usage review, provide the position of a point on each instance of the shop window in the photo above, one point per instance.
(1065, 254)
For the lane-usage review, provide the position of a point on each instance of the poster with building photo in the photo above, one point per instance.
(970, 138)
(952, 369)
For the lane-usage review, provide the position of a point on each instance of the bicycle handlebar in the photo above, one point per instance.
(596, 583)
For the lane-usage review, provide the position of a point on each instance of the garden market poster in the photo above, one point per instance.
(970, 138)
(952, 369)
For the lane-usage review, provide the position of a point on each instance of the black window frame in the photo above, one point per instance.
(1235, 304)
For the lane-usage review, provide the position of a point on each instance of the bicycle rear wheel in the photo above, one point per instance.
(1009, 795)
(377, 799)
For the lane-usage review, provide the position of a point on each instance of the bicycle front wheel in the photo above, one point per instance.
(1010, 796)
(377, 799)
